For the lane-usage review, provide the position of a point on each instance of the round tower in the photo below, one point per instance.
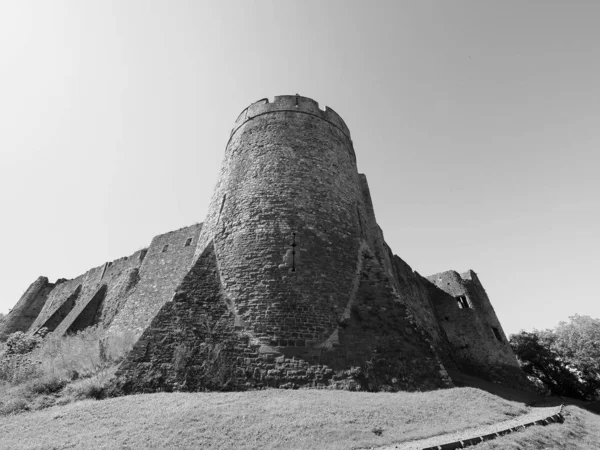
(286, 220)
(290, 276)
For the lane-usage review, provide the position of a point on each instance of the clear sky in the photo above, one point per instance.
(476, 122)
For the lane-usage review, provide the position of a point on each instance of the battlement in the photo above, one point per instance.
(290, 103)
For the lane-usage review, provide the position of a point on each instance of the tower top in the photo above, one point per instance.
(290, 103)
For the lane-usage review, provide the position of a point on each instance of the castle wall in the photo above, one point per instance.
(64, 297)
(95, 297)
(477, 347)
(124, 294)
(27, 308)
(414, 291)
(164, 265)
(197, 334)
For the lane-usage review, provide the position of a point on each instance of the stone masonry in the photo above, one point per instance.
(287, 283)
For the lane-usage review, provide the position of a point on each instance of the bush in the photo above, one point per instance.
(97, 387)
(16, 369)
(19, 343)
(13, 406)
(46, 385)
(37, 372)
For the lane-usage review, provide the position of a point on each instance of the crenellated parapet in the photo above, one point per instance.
(290, 103)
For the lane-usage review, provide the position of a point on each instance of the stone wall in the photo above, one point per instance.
(24, 313)
(164, 265)
(414, 291)
(122, 294)
(374, 347)
(478, 342)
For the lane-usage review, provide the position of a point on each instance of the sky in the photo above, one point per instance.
(476, 122)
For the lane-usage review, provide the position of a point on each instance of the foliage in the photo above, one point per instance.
(20, 343)
(37, 371)
(566, 360)
(578, 343)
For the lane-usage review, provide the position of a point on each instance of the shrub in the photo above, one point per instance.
(19, 343)
(97, 387)
(46, 385)
(16, 369)
(13, 406)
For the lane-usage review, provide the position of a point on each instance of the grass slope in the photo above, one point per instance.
(581, 431)
(266, 419)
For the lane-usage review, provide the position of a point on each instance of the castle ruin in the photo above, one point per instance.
(289, 274)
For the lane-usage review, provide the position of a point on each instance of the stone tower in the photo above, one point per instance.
(290, 266)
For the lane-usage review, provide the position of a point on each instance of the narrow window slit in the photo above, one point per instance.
(221, 209)
(294, 251)
(462, 302)
(188, 242)
(165, 248)
(497, 334)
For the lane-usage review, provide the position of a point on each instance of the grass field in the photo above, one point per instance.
(267, 419)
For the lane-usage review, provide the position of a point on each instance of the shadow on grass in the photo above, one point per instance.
(531, 399)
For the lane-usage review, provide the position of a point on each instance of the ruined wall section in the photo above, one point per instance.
(414, 291)
(373, 232)
(24, 313)
(410, 287)
(473, 329)
(97, 294)
(64, 297)
(164, 265)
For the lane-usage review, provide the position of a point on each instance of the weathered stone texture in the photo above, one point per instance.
(125, 293)
(470, 329)
(286, 172)
(374, 346)
(22, 316)
(164, 265)
(414, 290)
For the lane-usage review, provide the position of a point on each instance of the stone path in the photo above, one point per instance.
(470, 436)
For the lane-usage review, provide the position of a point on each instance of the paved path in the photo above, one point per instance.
(475, 432)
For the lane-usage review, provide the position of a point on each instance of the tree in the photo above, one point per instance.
(578, 343)
(566, 359)
(537, 359)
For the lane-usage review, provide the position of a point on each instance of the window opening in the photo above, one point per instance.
(165, 248)
(462, 302)
(188, 242)
(360, 228)
(497, 334)
(294, 252)
(221, 209)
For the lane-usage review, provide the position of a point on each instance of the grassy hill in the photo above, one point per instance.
(268, 419)
(41, 408)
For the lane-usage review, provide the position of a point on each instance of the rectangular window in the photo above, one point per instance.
(165, 248)
(463, 302)
(497, 334)
(188, 242)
